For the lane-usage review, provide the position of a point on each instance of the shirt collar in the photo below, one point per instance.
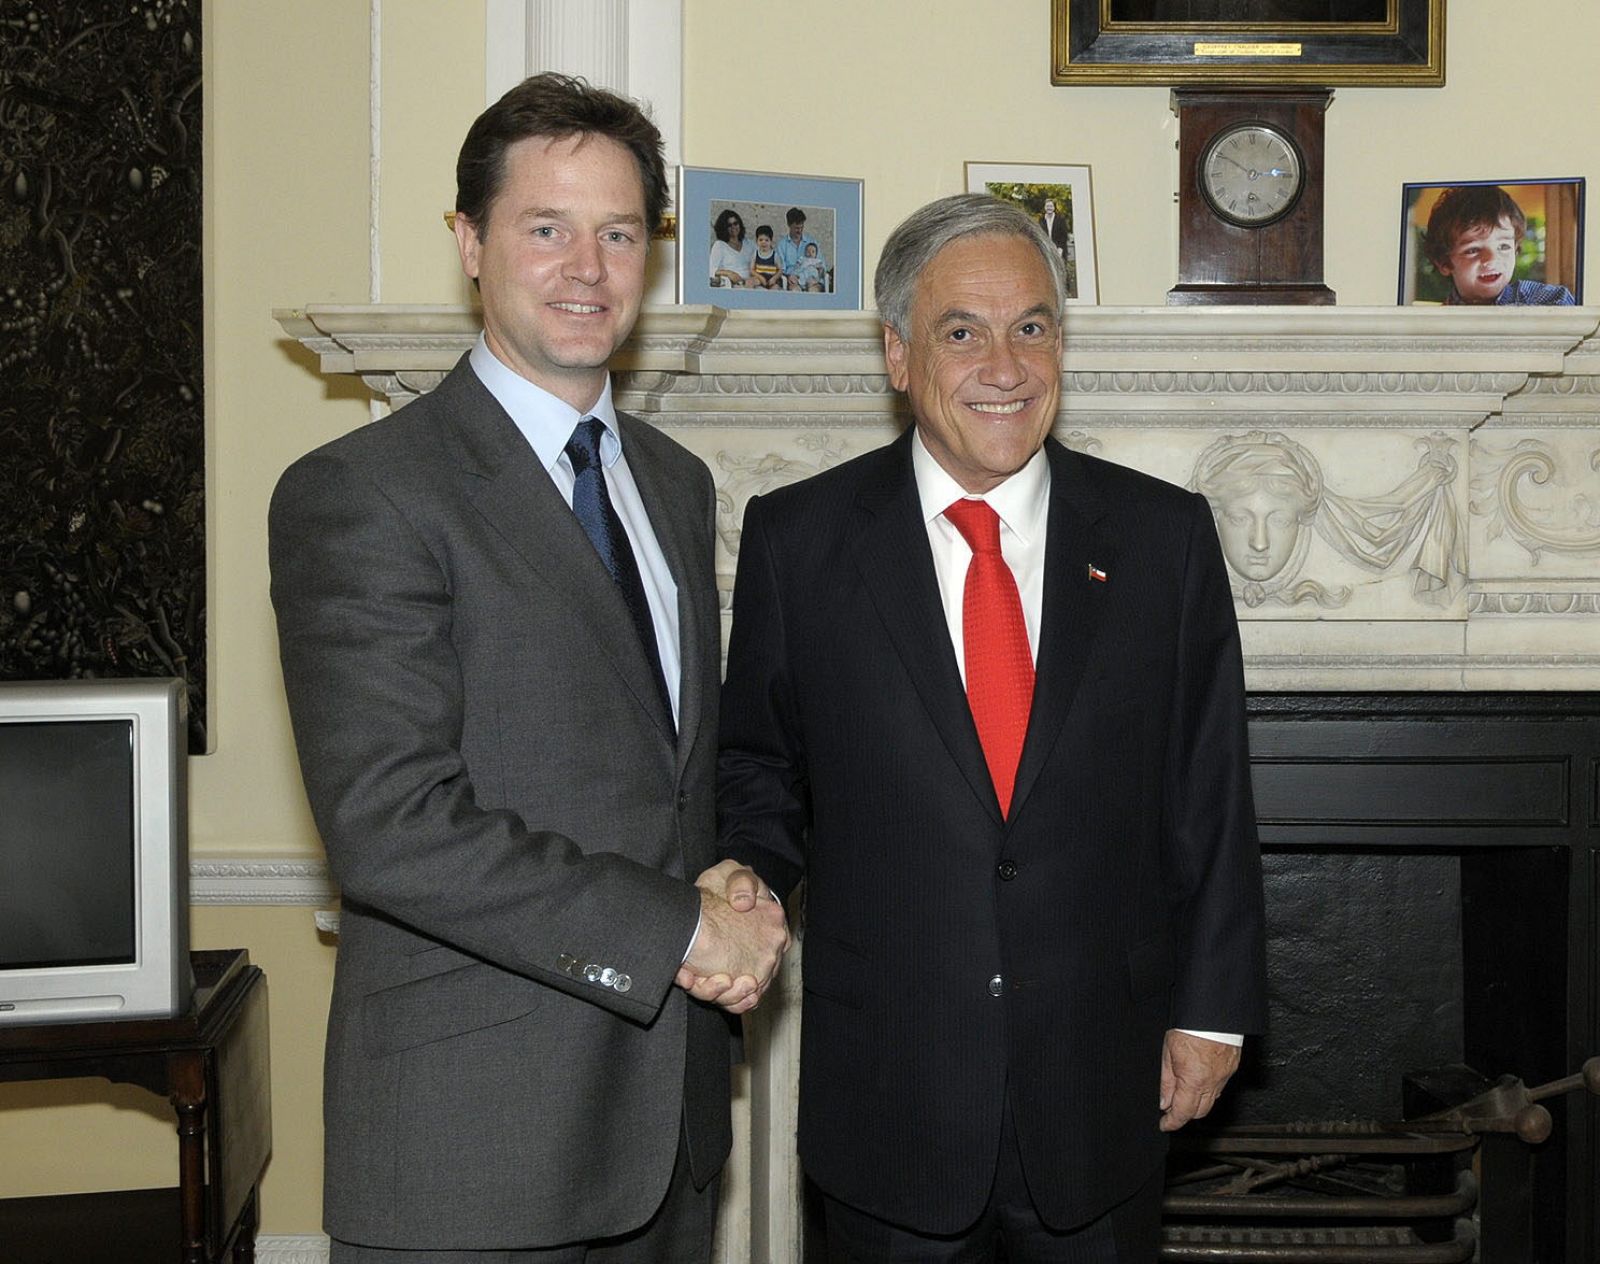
(1022, 501)
(545, 421)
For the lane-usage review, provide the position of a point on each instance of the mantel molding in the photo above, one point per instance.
(1437, 470)
(1467, 342)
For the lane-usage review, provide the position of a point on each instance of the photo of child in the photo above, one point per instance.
(1513, 243)
(812, 270)
(765, 270)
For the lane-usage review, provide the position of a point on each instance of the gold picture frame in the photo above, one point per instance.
(1372, 43)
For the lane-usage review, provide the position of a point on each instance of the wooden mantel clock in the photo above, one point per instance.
(1250, 195)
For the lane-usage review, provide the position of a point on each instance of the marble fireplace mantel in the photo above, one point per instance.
(1409, 498)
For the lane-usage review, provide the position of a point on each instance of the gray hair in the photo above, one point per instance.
(913, 245)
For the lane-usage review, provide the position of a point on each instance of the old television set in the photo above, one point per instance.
(94, 911)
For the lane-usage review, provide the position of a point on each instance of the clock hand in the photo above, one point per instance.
(1251, 172)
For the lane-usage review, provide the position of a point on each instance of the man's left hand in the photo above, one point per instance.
(1193, 1071)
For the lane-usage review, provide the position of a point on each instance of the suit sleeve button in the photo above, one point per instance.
(622, 983)
(591, 973)
(997, 985)
(1007, 869)
(608, 976)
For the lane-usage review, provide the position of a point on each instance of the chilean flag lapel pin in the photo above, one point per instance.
(1096, 574)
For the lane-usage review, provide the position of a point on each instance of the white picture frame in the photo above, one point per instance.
(1030, 185)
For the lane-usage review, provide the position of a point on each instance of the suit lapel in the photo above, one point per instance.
(893, 554)
(1072, 607)
(677, 533)
(518, 498)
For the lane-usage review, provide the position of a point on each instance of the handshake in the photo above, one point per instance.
(743, 936)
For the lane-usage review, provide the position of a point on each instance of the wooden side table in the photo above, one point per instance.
(212, 1064)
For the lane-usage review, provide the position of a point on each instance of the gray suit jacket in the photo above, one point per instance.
(512, 824)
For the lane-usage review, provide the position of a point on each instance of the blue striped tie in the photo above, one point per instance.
(591, 502)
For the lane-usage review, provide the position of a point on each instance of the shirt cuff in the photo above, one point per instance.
(1221, 1037)
(694, 937)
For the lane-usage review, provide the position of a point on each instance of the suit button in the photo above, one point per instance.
(622, 983)
(608, 976)
(1007, 869)
(683, 800)
(997, 985)
(591, 973)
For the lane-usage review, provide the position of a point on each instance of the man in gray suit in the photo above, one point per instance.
(499, 633)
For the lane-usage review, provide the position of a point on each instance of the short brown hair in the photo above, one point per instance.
(556, 106)
(1463, 208)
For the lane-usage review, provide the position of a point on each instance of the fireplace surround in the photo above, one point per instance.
(1409, 501)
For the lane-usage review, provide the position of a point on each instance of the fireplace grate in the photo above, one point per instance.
(1348, 1192)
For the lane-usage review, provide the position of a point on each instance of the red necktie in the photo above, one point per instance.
(999, 664)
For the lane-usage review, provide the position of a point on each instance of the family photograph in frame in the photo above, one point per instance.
(756, 239)
(1058, 198)
(1505, 243)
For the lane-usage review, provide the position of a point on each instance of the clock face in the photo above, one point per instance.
(1251, 174)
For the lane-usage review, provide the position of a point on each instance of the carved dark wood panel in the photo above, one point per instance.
(102, 460)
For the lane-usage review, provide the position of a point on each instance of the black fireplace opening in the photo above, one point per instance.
(1431, 898)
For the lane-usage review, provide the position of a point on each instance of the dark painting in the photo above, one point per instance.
(102, 459)
(1274, 13)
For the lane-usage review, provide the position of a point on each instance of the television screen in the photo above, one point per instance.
(66, 844)
(94, 914)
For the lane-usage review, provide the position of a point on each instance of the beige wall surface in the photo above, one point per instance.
(901, 93)
(898, 93)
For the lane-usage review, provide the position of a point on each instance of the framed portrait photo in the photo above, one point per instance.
(781, 242)
(1396, 43)
(1059, 199)
(1505, 243)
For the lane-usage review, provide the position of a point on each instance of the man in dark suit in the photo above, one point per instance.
(1055, 227)
(499, 634)
(1013, 774)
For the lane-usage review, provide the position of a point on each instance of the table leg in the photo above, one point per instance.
(188, 1097)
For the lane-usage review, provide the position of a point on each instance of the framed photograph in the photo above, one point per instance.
(1395, 43)
(1059, 199)
(1507, 243)
(753, 239)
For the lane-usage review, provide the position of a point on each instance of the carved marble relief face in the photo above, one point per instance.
(1264, 491)
(1259, 529)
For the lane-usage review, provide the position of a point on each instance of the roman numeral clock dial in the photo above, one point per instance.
(1251, 174)
(1250, 195)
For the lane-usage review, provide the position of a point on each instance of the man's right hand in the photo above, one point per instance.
(740, 944)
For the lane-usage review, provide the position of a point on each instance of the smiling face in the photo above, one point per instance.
(1482, 261)
(560, 262)
(982, 363)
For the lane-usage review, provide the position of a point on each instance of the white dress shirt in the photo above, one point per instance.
(1022, 504)
(547, 423)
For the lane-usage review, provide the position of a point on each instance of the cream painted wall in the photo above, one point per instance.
(287, 213)
(432, 90)
(909, 90)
